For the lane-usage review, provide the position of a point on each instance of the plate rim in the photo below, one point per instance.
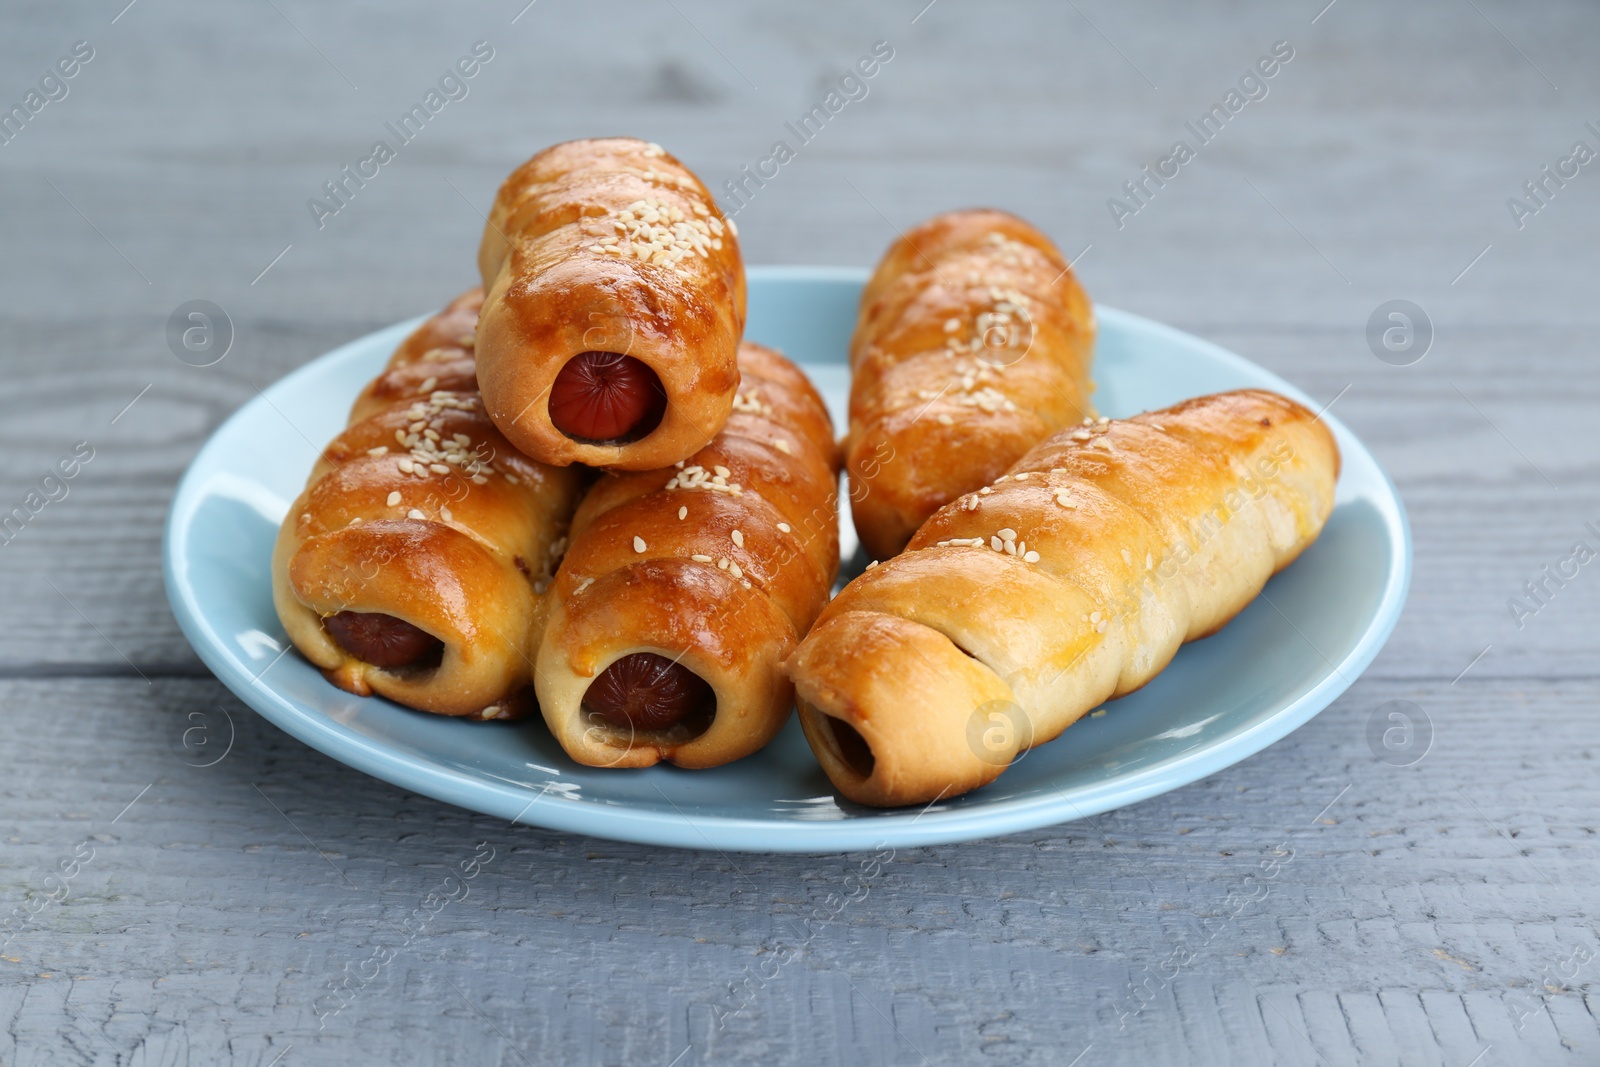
(871, 830)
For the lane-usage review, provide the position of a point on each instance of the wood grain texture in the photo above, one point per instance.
(1431, 916)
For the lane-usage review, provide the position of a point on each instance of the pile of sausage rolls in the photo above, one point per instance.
(579, 492)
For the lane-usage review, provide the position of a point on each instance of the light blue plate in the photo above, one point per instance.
(1222, 699)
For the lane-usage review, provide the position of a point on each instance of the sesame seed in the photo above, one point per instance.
(429, 384)
(394, 498)
(749, 402)
(406, 466)
(700, 558)
(722, 472)
(381, 450)
(639, 545)
(444, 513)
(783, 527)
(438, 468)
(945, 420)
(738, 538)
(722, 563)
(1030, 556)
(683, 513)
(586, 583)
(1008, 534)
(871, 565)
(1100, 627)
(782, 446)
(733, 569)
(415, 513)
(997, 544)
(985, 491)
(1022, 477)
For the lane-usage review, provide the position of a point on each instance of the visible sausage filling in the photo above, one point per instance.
(852, 747)
(383, 640)
(647, 692)
(606, 398)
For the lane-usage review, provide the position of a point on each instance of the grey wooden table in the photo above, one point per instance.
(1439, 905)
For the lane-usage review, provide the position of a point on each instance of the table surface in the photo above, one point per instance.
(1328, 900)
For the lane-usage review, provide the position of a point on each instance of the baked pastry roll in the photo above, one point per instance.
(416, 561)
(684, 589)
(973, 344)
(615, 302)
(1070, 581)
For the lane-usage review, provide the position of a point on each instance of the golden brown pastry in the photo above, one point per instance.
(415, 563)
(973, 345)
(684, 589)
(615, 302)
(1070, 581)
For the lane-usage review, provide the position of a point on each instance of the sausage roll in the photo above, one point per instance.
(415, 563)
(1071, 580)
(684, 589)
(615, 301)
(973, 344)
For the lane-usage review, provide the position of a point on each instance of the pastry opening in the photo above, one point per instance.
(385, 641)
(851, 748)
(644, 693)
(606, 398)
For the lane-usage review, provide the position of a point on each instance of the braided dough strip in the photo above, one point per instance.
(973, 344)
(718, 565)
(609, 246)
(420, 511)
(1070, 581)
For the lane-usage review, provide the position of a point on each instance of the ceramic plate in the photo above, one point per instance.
(1280, 662)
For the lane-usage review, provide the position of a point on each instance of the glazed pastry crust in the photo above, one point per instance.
(973, 344)
(467, 571)
(1126, 539)
(630, 581)
(609, 245)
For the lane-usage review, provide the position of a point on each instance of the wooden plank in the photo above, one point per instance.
(1033, 939)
